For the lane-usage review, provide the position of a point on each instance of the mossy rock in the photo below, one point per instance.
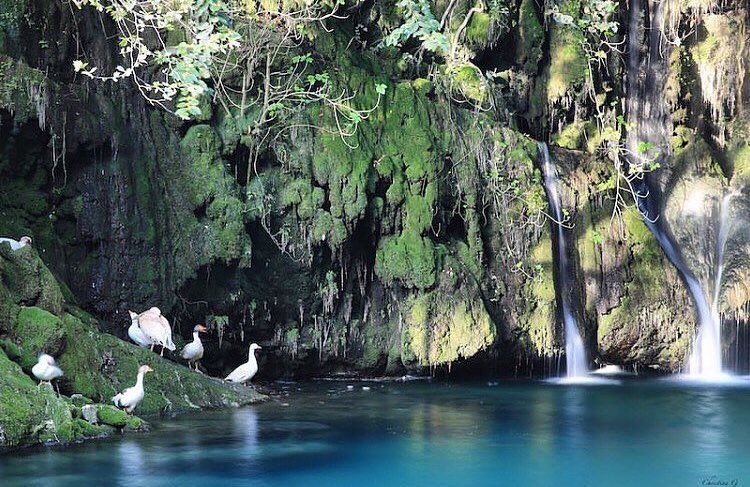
(468, 81)
(531, 37)
(568, 68)
(31, 414)
(408, 258)
(117, 418)
(36, 331)
(447, 324)
(28, 281)
(98, 365)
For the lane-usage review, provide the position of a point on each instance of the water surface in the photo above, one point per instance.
(514, 433)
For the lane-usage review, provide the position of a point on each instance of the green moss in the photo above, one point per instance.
(422, 86)
(538, 318)
(112, 416)
(201, 147)
(27, 280)
(31, 414)
(440, 329)
(531, 34)
(37, 331)
(573, 136)
(740, 161)
(648, 284)
(568, 66)
(374, 344)
(222, 232)
(478, 29)
(22, 89)
(11, 16)
(409, 258)
(467, 80)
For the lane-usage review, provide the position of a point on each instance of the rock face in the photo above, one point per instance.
(418, 242)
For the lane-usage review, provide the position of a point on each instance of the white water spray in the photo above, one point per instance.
(705, 358)
(575, 353)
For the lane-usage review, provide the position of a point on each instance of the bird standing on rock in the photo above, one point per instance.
(132, 396)
(16, 244)
(246, 371)
(135, 333)
(46, 370)
(153, 328)
(193, 351)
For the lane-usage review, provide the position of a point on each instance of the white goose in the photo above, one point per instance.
(155, 329)
(16, 244)
(135, 333)
(193, 351)
(132, 396)
(246, 371)
(46, 370)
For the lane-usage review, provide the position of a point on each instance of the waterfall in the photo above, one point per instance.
(708, 359)
(575, 353)
(705, 358)
(652, 124)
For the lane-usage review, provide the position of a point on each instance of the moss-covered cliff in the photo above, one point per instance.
(420, 240)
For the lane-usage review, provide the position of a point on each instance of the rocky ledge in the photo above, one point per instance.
(38, 315)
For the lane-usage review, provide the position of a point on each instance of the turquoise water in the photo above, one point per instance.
(515, 433)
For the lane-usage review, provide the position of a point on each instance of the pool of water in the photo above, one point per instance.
(512, 433)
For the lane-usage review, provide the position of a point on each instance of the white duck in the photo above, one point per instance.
(155, 328)
(16, 244)
(246, 371)
(132, 396)
(135, 333)
(46, 370)
(193, 351)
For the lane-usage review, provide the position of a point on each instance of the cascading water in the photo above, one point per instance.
(705, 358)
(575, 353)
(651, 122)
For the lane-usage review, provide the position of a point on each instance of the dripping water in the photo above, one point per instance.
(575, 354)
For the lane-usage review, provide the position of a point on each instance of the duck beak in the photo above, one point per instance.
(202, 328)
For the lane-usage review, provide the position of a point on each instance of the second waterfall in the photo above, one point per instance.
(575, 353)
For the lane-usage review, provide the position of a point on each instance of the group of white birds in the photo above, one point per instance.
(151, 328)
(147, 329)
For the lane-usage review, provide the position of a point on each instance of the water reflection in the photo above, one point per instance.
(573, 415)
(652, 433)
(132, 463)
(542, 419)
(245, 427)
(708, 426)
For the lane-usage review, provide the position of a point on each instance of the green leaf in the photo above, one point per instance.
(79, 65)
